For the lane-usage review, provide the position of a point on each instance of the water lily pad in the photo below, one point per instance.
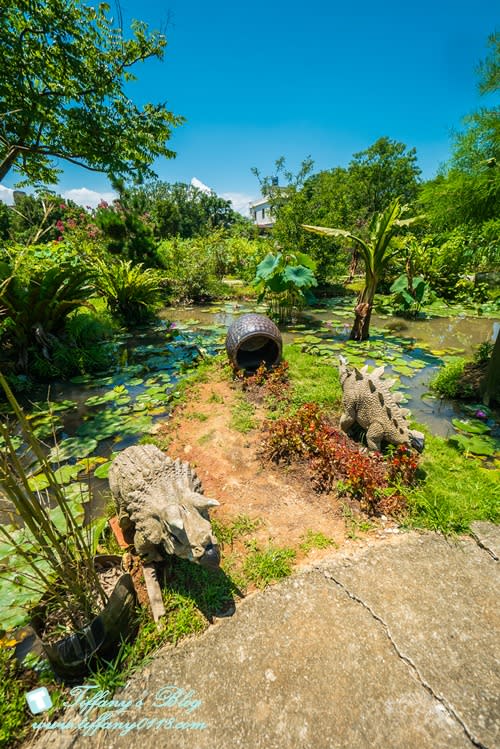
(475, 444)
(103, 470)
(471, 426)
(38, 482)
(72, 447)
(67, 473)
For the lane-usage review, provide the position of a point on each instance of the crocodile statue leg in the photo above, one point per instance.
(347, 422)
(374, 436)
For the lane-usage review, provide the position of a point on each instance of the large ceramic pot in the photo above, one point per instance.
(252, 340)
(72, 657)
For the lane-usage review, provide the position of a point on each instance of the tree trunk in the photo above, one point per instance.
(490, 387)
(362, 313)
(8, 161)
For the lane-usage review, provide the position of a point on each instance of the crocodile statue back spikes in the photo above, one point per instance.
(368, 401)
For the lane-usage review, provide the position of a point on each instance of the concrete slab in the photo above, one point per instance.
(437, 599)
(393, 647)
(488, 536)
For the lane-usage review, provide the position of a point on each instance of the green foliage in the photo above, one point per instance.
(409, 294)
(131, 292)
(36, 308)
(185, 210)
(13, 708)
(123, 226)
(448, 381)
(264, 566)
(64, 71)
(51, 552)
(228, 533)
(456, 491)
(376, 252)
(316, 540)
(194, 267)
(243, 416)
(312, 379)
(286, 280)
(380, 174)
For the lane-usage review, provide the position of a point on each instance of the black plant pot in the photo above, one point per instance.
(72, 657)
(252, 340)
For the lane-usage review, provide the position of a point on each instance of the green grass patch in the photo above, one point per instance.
(313, 380)
(456, 491)
(227, 533)
(316, 540)
(262, 567)
(197, 416)
(243, 416)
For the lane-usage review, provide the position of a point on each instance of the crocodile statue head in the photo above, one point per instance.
(162, 499)
(368, 401)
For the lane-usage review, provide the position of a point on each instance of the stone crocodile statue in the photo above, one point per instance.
(368, 401)
(163, 500)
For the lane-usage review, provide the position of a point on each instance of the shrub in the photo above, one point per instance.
(130, 292)
(448, 381)
(190, 269)
(333, 457)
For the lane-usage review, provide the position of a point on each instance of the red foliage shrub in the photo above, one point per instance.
(332, 457)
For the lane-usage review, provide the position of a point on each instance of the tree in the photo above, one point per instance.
(384, 171)
(468, 190)
(376, 252)
(185, 210)
(62, 92)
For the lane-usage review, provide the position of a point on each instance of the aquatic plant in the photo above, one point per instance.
(53, 551)
(285, 280)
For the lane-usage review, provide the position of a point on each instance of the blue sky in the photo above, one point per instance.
(259, 80)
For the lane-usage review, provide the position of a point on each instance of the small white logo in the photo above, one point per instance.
(38, 700)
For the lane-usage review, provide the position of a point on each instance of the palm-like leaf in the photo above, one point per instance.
(376, 251)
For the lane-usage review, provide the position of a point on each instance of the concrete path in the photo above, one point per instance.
(395, 645)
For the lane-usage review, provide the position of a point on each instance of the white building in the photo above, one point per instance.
(260, 213)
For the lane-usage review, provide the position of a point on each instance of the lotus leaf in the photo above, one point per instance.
(102, 471)
(475, 444)
(72, 447)
(473, 426)
(38, 482)
(67, 473)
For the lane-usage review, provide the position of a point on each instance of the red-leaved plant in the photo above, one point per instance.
(376, 482)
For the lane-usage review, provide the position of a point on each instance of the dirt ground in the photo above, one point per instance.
(228, 463)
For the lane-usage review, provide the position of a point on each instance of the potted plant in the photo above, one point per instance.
(57, 550)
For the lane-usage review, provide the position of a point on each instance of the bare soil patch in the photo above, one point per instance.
(228, 463)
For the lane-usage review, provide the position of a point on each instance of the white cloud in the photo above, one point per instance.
(239, 200)
(84, 196)
(6, 195)
(195, 182)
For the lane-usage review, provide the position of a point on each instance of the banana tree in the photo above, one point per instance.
(376, 251)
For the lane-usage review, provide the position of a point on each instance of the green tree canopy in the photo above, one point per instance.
(384, 171)
(62, 92)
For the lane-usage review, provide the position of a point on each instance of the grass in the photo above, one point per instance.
(316, 540)
(455, 492)
(263, 567)
(447, 381)
(227, 533)
(243, 416)
(313, 380)
(355, 523)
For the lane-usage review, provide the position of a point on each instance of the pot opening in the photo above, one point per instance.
(255, 350)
